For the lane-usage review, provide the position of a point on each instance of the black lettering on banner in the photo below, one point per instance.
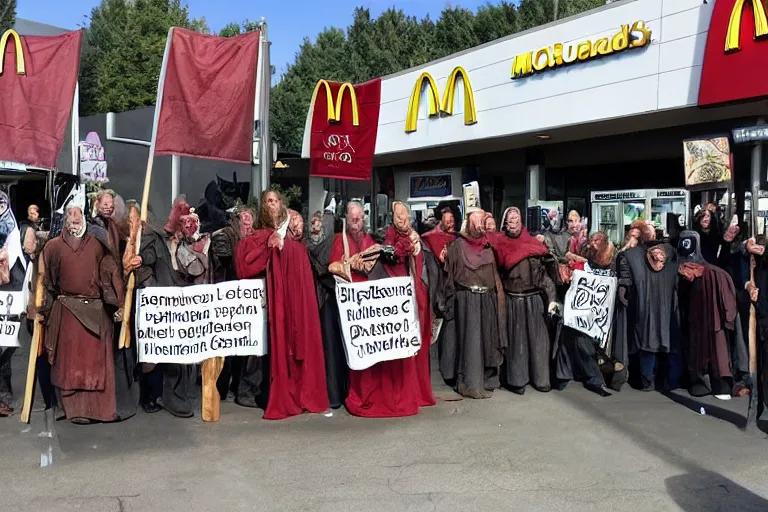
(175, 301)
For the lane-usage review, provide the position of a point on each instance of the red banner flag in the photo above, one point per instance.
(38, 75)
(344, 124)
(208, 96)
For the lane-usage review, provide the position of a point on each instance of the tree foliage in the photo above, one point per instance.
(7, 14)
(378, 46)
(125, 42)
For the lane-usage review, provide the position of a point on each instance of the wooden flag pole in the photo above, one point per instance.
(124, 341)
(37, 342)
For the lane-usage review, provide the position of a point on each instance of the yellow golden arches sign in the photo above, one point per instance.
(734, 24)
(20, 67)
(446, 107)
(333, 110)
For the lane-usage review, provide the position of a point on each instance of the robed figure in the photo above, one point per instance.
(388, 388)
(409, 261)
(648, 283)
(79, 332)
(320, 249)
(710, 323)
(436, 244)
(296, 366)
(240, 375)
(169, 386)
(475, 301)
(577, 355)
(526, 270)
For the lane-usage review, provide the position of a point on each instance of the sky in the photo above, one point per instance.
(289, 21)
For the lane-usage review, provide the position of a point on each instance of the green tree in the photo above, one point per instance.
(7, 14)
(125, 43)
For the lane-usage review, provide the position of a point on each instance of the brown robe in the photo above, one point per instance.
(78, 337)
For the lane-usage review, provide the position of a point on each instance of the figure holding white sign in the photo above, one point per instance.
(392, 387)
(296, 362)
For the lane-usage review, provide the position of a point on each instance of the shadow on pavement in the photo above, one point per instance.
(732, 411)
(705, 490)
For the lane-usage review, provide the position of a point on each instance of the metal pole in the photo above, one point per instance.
(175, 177)
(556, 6)
(265, 146)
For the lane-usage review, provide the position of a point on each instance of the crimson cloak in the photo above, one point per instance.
(297, 369)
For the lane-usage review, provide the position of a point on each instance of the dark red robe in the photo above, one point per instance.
(437, 240)
(296, 361)
(388, 389)
(78, 335)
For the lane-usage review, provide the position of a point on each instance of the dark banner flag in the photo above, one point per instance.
(38, 76)
(208, 96)
(344, 121)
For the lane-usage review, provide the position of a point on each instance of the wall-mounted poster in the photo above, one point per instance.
(435, 184)
(93, 162)
(707, 161)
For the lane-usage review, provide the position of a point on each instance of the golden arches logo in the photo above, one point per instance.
(734, 24)
(333, 109)
(446, 107)
(20, 67)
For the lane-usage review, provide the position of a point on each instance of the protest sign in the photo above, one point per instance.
(9, 333)
(194, 323)
(378, 320)
(589, 304)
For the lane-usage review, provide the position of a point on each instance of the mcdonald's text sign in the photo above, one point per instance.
(736, 54)
(344, 123)
(436, 106)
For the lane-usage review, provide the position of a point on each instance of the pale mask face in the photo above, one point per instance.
(513, 222)
(574, 223)
(401, 218)
(74, 221)
(706, 220)
(475, 227)
(490, 224)
(273, 204)
(106, 206)
(33, 213)
(317, 226)
(246, 222)
(355, 219)
(449, 222)
(296, 225)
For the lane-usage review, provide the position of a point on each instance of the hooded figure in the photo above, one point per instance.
(710, 323)
(527, 272)
(648, 289)
(474, 300)
(243, 376)
(578, 356)
(169, 386)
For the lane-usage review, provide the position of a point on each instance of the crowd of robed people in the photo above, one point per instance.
(496, 295)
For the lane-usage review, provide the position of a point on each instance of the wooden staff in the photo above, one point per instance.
(36, 349)
(211, 369)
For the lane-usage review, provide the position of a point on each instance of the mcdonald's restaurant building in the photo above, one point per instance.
(600, 102)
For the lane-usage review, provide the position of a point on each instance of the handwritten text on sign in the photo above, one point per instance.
(9, 333)
(195, 323)
(589, 305)
(378, 320)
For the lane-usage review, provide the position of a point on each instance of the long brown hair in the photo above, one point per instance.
(265, 219)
